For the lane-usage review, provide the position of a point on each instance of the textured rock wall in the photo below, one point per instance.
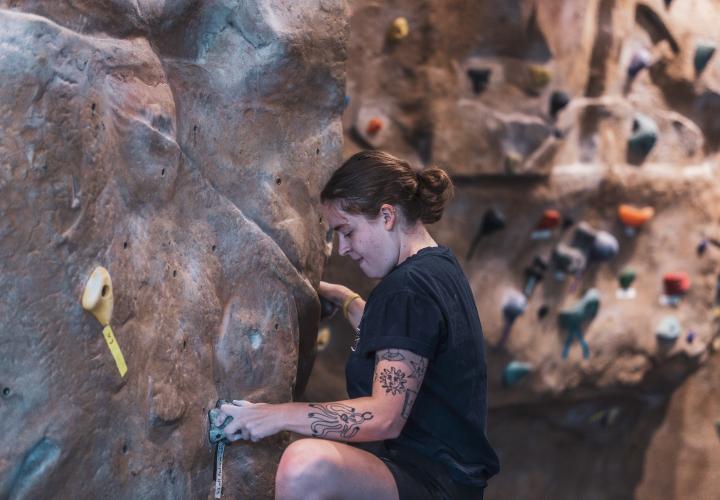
(181, 145)
(469, 89)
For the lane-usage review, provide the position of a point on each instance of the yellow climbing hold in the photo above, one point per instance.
(115, 350)
(539, 76)
(399, 29)
(98, 297)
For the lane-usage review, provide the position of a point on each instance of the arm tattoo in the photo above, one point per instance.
(418, 368)
(410, 396)
(390, 355)
(336, 420)
(393, 381)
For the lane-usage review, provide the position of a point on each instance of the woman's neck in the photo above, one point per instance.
(414, 241)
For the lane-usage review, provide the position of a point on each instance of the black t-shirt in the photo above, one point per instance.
(425, 305)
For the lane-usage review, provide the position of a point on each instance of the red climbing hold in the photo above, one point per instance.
(676, 283)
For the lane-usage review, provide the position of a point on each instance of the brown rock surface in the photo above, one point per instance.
(181, 145)
(636, 419)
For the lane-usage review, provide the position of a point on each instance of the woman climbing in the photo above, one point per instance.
(414, 426)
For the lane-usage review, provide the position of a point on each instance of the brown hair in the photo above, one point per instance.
(369, 179)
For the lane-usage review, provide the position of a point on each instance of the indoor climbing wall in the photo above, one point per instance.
(583, 139)
(160, 235)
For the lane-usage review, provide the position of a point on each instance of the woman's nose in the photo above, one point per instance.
(343, 246)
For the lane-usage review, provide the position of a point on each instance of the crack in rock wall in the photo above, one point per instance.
(182, 145)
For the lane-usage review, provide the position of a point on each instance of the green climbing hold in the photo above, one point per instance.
(514, 372)
(703, 54)
(626, 277)
(668, 330)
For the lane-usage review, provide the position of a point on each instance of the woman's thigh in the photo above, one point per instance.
(318, 468)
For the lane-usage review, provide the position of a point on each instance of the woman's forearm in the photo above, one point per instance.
(361, 419)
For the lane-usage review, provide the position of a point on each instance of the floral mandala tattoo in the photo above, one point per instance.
(393, 381)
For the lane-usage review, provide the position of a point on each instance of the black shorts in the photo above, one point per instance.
(419, 478)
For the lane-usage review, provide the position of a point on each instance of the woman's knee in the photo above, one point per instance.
(303, 467)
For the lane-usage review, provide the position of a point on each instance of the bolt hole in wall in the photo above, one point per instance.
(214, 247)
(174, 273)
(277, 325)
(278, 181)
(162, 173)
(125, 448)
(125, 244)
(6, 392)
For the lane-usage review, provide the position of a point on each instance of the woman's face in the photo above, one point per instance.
(371, 243)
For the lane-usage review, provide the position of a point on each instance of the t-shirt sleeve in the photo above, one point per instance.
(402, 320)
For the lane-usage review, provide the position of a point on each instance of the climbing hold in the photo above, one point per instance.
(492, 221)
(514, 372)
(543, 311)
(346, 101)
(567, 222)
(702, 247)
(567, 260)
(323, 338)
(573, 318)
(539, 76)
(534, 274)
(690, 337)
(676, 283)
(399, 29)
(558, 101)
(643, 138)
(543, 229)
(625, 279)
(479, 78)
(374, 126)
(514, 306)
(703, 54)
(327, 308)
(633, 217)
(668, 330)
(584, 238)
(98, 297)
(605, 246)
(639, 61)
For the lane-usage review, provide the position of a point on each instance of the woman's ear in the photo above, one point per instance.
(389, 216)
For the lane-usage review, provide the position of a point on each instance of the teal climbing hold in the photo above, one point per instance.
(703, 54)
(573, 318)
(644, 136)
(514, 372)
(668, 330)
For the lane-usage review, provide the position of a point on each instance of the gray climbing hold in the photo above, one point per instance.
(644, 136)
(605, 246)
(558, 100)
(703, 54)
(479, 78)
(668, 330)
(514, 372)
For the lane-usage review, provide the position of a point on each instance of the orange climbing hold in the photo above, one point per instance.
(633, 216)
(374, 126)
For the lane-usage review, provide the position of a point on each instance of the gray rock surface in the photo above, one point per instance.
(181, 145)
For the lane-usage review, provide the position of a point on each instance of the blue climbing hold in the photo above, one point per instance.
(514, 372)
(703, 54)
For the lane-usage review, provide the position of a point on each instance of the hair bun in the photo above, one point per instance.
(434, 190)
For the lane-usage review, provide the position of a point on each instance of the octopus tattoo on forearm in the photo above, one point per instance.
(336, 420)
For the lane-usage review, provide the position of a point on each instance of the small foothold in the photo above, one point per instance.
(539, 76)
(676, 284)
(558, 101)
(668, 330)
(703, 54)
(374, 126)
(543, 311)
(644, 136)
(634, 217)
(479, 78)
(514, 306)
(514, 372)
(690, 337)
(639, 61)
(702, 247)
(399, 29)
(492, 221)
(97, 297)
(550, 220)
(627, 277)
